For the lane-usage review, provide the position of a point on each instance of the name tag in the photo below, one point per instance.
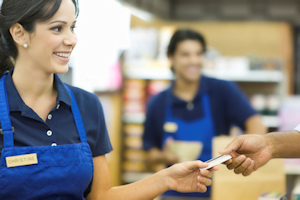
(21, 160)
(170, 127)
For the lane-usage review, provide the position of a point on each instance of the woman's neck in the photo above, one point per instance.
(186, 90)
(36, 88)
(34, 84)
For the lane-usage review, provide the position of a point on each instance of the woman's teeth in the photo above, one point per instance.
(64, 55)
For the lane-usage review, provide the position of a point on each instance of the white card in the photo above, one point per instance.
(217, 160)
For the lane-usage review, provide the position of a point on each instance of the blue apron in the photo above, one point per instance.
(62, 172)
(198, 130)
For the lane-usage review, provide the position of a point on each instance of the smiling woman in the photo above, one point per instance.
(53, 38)
(60, 128)
(23, 14)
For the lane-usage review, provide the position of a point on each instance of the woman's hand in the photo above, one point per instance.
(186, 176)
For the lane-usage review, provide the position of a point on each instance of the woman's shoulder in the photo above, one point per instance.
(215, 81)
(218, 85)
(158, 99)
(82, 94)
(87, 100)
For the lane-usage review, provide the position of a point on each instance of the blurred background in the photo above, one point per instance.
(121, 56)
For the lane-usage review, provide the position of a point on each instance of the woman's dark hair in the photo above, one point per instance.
(26, 13)
(184, 34)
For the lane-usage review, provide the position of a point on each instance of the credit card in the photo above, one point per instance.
(217, 160)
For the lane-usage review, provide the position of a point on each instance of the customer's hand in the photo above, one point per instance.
(186, 176)
(249, 152)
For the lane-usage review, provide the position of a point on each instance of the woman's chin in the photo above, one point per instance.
(62, 70)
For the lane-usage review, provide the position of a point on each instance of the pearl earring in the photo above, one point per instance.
(25, 46)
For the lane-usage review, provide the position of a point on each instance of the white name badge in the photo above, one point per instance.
(170, 127)
(21, 160)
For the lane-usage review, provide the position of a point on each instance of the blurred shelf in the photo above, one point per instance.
(166, 74)
(271, 121)
(139, 118)
(148, 73)
(292, 166)
(130, 177)
(249, 76)
(134, 118)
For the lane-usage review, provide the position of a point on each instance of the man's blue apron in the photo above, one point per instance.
(62, 172)
(198, 130)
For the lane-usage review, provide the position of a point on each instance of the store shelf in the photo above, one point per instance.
(130, 177)
(139, 118)
(271, 121)
(148, 73)
(292, 166)
(247, 76)
(166, 74)
(134, 118)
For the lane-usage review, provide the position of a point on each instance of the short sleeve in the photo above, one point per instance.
(153, 131)
(94, 122)
(238, 108)
(98, 139)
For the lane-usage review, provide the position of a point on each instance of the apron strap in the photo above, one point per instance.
(77, 117)
(6, 128)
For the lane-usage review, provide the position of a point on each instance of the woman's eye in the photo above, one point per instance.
(72, 28)
(57, 29)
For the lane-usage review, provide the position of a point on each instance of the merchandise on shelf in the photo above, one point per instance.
(133, 142)
(272, 104)
(131, 166)
(134, 98)
(272, 196)
(135, 155)
(136, 93)
(265, 63)
(156, 86)
(265, 104)
(258, 101)
(133, 129)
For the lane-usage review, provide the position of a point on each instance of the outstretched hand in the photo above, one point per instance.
(186, 176)
(249, 152)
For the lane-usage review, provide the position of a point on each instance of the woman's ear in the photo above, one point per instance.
(19, 35)
(171, 59)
